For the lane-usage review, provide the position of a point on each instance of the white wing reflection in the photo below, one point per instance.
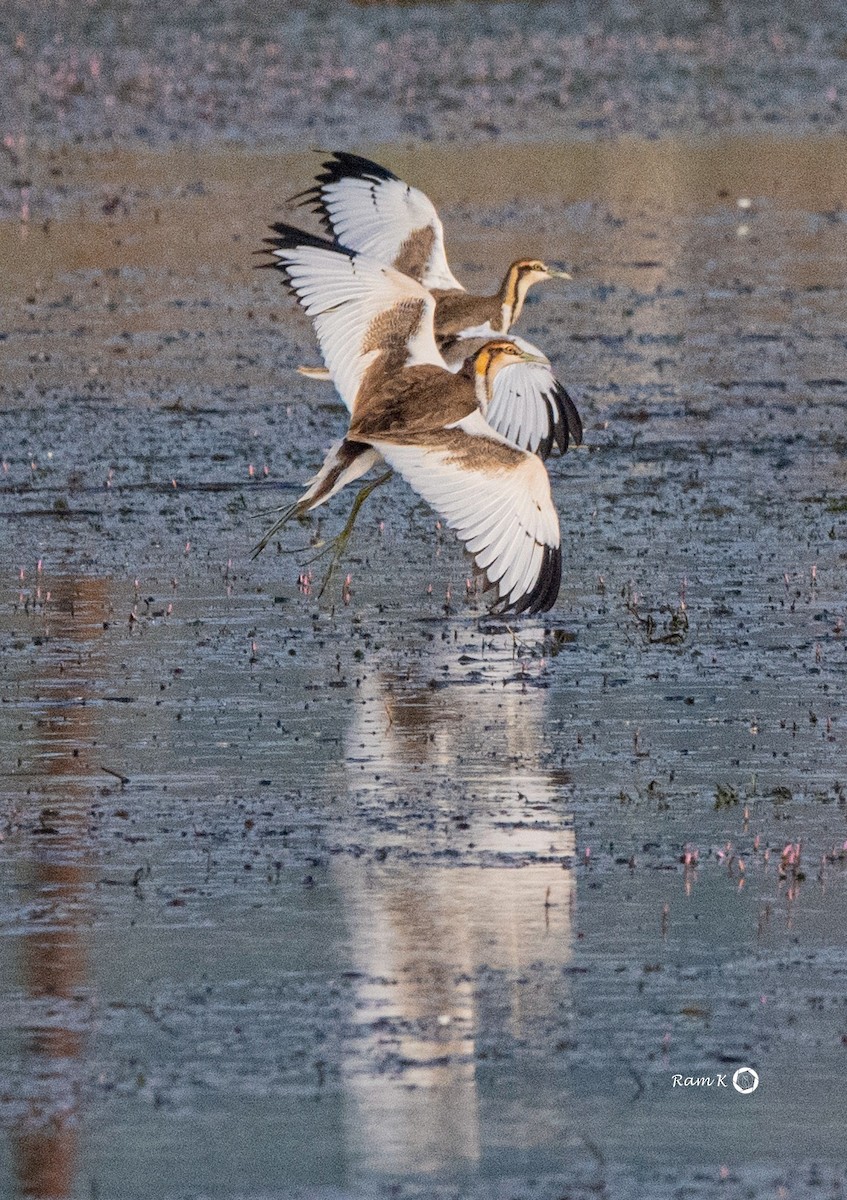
(481, 884)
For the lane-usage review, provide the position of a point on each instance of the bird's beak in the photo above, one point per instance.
(532, 358)
(558, 274)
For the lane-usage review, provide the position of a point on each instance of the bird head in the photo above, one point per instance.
(533, 270)
(521, 276)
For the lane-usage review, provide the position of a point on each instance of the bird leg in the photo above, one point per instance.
(339, 543)
(291, 510)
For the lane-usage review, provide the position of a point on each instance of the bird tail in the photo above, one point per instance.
(321, 373)
(345, 461)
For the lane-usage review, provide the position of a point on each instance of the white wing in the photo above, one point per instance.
(367, 208)
(531, 408)
(497, 499)
(528, 406)
(360, 308)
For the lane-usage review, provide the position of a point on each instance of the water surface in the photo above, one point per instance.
(361, 891)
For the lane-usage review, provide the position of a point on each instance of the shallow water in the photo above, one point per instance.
(340, 897)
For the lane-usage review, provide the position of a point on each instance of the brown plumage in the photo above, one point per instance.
(456, 311)
(369, 211)
(375, 328)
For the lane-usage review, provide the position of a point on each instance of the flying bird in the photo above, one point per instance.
(368, 210)
(375, 327)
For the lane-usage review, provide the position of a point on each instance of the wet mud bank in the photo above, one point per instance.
(330, 74)
(368, 893)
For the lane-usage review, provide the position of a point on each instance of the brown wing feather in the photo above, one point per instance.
(413, 258)
(410, 403)
(392, 330)
(457, 311)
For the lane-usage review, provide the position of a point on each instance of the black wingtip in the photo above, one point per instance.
(342, 165)
(546, 445)
(570, 415)
(542, 596)
(557, 434)
(561, 432)
(565, 423)
(312, 199)
(287, 237)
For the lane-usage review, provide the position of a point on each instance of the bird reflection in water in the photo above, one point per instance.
(450, 748)
(54, 883)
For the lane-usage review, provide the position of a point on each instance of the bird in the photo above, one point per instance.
(367, 209)
(375, 327)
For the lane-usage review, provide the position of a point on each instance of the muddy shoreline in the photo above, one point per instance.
(346, 74)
